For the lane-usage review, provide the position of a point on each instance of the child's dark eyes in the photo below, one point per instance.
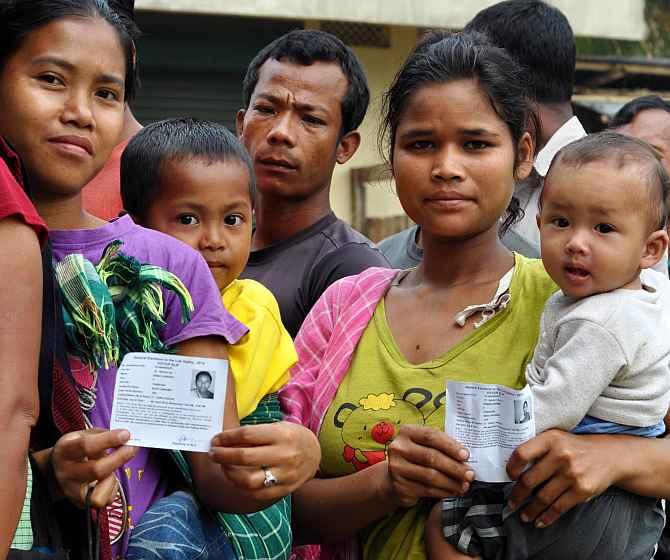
(188, 220)
(233, 220)
(560, 222)
(604, 228)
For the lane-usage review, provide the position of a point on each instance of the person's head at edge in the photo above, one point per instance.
(62, 134)
(470, 149)
(539, 36)
(305, 94)
(646, 118)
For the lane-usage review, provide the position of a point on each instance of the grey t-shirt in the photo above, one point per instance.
(401, 250)
(604, 355)
(299, 269)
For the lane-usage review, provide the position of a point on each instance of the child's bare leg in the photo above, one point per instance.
(437, 547)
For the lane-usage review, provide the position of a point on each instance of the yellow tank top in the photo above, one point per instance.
(382, 390)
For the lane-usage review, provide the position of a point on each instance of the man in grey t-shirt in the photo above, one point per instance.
(305, 95)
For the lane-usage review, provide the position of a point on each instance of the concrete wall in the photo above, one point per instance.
(621, 19)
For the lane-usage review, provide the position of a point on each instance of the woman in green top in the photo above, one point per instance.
(377, 349)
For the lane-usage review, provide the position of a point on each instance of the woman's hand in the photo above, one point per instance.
(289, 451)
(426, 463)
(81, 459)
(567, 469)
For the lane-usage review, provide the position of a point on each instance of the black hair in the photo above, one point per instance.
(124, 7)
(174, 139)
(442, 58)
(127, 9)
(19, 18)
(630, 110)
(197, 375)
(305, 47)
(539, 36)
(621, 151)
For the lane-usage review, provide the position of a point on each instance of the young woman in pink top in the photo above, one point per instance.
(460, 130)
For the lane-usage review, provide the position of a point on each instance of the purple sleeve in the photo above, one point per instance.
(209, 317)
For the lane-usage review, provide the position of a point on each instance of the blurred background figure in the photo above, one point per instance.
(647, 118)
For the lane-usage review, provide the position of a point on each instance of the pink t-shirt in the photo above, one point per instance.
(102, 196)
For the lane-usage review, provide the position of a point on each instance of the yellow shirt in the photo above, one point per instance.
(261, 360)
(383, 390)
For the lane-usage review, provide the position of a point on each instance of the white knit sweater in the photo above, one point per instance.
(607, 355)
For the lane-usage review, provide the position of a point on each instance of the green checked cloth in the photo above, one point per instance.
(23, 537)
(266, 534)
(115, 307)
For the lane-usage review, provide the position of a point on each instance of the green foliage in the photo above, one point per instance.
(611, 47)
(657, 43)
(657, 14)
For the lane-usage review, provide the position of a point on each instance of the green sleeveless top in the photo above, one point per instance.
(382, 390)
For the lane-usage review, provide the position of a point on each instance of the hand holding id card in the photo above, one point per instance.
(491, 421)
(170, 402)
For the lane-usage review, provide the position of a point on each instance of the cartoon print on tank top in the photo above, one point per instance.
(368, 428)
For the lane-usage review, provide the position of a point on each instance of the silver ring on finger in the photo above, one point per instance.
(270, 479)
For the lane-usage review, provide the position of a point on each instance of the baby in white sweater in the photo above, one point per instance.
(602, 364)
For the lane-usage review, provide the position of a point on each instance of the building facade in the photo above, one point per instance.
(193, 55)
